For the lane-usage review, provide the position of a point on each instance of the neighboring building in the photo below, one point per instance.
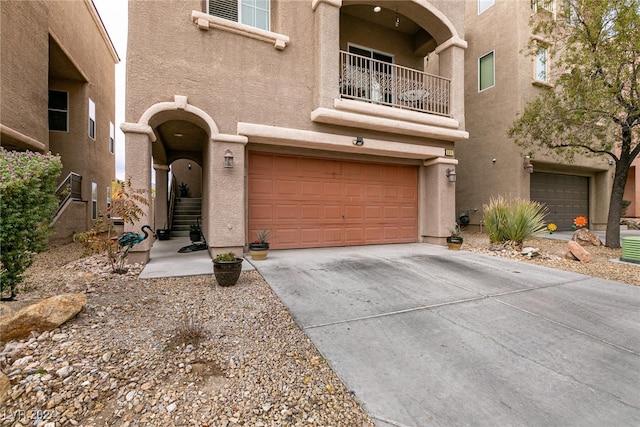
(632, 190)
(323, 111)
(499, 80)
(57, 94)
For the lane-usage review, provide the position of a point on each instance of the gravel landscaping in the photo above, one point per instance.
(187, 352)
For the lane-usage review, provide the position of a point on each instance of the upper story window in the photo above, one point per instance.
(92, 119)
(112, 137)
(548, 5)
(58, 110)
(486, 71)
(541, 70)
(249, 12)
(484, 5)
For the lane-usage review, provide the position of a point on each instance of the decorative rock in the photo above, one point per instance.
(585, 237)
(43, 315)
(5, 388)
(578, 251)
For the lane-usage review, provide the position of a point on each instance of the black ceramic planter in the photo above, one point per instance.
(227, 273)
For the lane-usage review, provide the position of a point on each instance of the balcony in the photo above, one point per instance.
(378, 82)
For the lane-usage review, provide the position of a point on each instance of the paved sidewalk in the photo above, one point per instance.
(425, 336)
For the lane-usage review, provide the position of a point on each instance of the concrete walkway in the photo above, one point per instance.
(425, 336)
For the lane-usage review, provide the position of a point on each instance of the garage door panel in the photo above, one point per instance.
(323, 202)
(286, 212)
(565, 196)
(332, 213)
(310, 212)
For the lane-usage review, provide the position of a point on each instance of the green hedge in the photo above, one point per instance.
(27, 206)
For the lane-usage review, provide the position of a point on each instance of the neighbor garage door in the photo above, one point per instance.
(312, 202)
(566, 196)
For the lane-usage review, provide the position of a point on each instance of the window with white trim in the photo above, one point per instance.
(112, 137)
(94, 201)
(92, 119)
(541, 64)
(255, 13)
(108, 196)
(486, 71)
(484, 5)
(58, 110)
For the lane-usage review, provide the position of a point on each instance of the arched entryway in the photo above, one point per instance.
(177, 132)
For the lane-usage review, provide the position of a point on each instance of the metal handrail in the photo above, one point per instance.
(172, 199)
(379, 82)
(69, 188)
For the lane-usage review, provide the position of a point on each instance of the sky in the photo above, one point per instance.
(114, 16)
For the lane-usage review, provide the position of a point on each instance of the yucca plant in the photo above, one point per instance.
(513, 220)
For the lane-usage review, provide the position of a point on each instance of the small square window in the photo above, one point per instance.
(484, 5)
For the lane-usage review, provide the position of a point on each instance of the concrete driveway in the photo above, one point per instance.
(426, 336)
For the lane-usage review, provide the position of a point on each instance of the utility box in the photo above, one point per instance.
(630, 249)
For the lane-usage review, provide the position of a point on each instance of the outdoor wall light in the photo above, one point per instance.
(527, 165)
(451, 175)
(358, 141)
(228, 159)
(377, 9)
(189, 166)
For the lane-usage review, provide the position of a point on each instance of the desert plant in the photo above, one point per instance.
(229, 256)
(190, 327)
(514, 220)
(125, 204)
(27, 206)
(262, 237)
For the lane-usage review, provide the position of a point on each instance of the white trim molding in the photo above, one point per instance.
(205, 21)
(288, 137)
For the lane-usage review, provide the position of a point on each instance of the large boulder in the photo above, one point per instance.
(44, 315)
(586, 237)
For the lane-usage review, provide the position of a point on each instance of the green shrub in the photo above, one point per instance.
(513, 220)
(27, 206)
(229, 256)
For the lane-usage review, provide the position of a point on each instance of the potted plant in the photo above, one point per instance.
(454, 241)
(227, 268)
(259, 248)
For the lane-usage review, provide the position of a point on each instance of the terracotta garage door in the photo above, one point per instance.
(566, 196)
(310, 202)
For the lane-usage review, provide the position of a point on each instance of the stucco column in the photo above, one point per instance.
(224, 210)
(137, 140)
(437, 200)
(161, 217)
(451, 60)
(327, 20)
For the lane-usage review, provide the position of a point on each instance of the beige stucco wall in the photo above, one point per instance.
(239, 89)
(490, 163)
(60, 45)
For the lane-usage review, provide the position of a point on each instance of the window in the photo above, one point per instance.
(109, 196)
(58, 110)
(379, 71)
(541, 65)
(484, 5)
(250, 12)
(112, 137)
(548, 5)
(486, 72)
(92, 119)
(94, 201)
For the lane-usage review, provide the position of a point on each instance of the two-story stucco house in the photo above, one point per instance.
(500, 78)
(57, 93)
(327, 122)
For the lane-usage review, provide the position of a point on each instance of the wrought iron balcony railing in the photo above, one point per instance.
(70, 188)
(380, 82)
